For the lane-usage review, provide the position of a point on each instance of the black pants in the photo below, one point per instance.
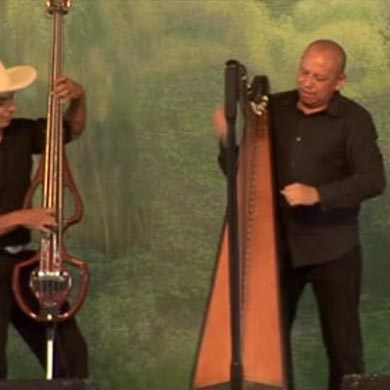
(70, 349)
(336, 286)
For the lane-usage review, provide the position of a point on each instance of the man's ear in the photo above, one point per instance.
(342, 79)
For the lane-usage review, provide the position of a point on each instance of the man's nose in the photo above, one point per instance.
(12, 107)
(308, 81)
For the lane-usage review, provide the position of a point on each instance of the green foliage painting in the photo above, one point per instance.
(146, 165)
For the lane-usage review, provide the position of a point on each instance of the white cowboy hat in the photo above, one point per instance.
(15, 78)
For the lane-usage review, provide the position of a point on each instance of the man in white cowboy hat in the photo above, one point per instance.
(19, 139)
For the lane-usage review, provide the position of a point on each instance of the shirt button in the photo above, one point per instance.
(298, 139)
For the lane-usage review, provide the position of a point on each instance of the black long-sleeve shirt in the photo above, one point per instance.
(21, 140)
(335, 151)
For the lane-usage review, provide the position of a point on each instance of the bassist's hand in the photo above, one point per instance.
(40, 219)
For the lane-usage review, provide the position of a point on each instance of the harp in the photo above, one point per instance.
(241, 344)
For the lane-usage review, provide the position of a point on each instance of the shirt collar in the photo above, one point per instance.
(335, 105)
(334, 108)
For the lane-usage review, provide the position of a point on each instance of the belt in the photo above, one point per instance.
(13, 249)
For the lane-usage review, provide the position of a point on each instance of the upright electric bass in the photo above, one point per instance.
(52, 279)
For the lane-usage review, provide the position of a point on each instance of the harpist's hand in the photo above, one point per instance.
(298, 194)
(220, 126)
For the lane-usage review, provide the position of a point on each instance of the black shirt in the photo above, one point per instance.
(335, 151)
(21, 139)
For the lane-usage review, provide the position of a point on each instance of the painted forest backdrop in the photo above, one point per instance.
(146, 165)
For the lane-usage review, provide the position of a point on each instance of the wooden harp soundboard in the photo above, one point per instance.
(262, 356)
